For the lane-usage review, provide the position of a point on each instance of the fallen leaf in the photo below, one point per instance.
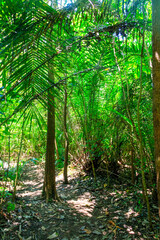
(54, 235)
(111, 223)
(87, 231)
(106, 212)
(42, 205)
(104, 233)
(83, 227)
(100, 217)
(29, 238)
(116, 204)
(101, 226)
(28, 223)
(96, 232)
(87, 205)
(119, 227)
(27, 217)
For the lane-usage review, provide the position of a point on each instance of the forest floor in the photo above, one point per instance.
(88, 211)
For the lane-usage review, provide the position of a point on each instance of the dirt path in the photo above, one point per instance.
(87, 211)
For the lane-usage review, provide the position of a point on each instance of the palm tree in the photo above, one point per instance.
(38, 37)
(49, 188)
(31, 45)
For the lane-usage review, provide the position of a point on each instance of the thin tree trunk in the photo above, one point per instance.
(65, 173)
(57, 153)
(145, 194)
(17, 167)
(138, 133)
(156, 88)
(132, 158)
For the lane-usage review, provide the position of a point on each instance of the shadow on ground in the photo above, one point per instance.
(87, 211)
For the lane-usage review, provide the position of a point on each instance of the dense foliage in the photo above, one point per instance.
(100, 52)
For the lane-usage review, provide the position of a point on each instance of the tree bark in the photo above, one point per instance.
(56, 146)
(49, 188)
(65, 173)
(156, 87)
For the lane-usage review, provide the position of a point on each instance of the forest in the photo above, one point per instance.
(79, 119)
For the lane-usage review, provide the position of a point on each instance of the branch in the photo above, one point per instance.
(48, 88)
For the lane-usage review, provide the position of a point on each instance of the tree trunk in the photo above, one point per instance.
(18, 160)
(66, 138)
(156, 87)
(56, 146)
(132, 163)
(49, 188)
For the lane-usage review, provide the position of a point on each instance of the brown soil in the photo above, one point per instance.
(88, 211)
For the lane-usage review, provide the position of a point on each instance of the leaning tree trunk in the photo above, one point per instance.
(156, 87)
